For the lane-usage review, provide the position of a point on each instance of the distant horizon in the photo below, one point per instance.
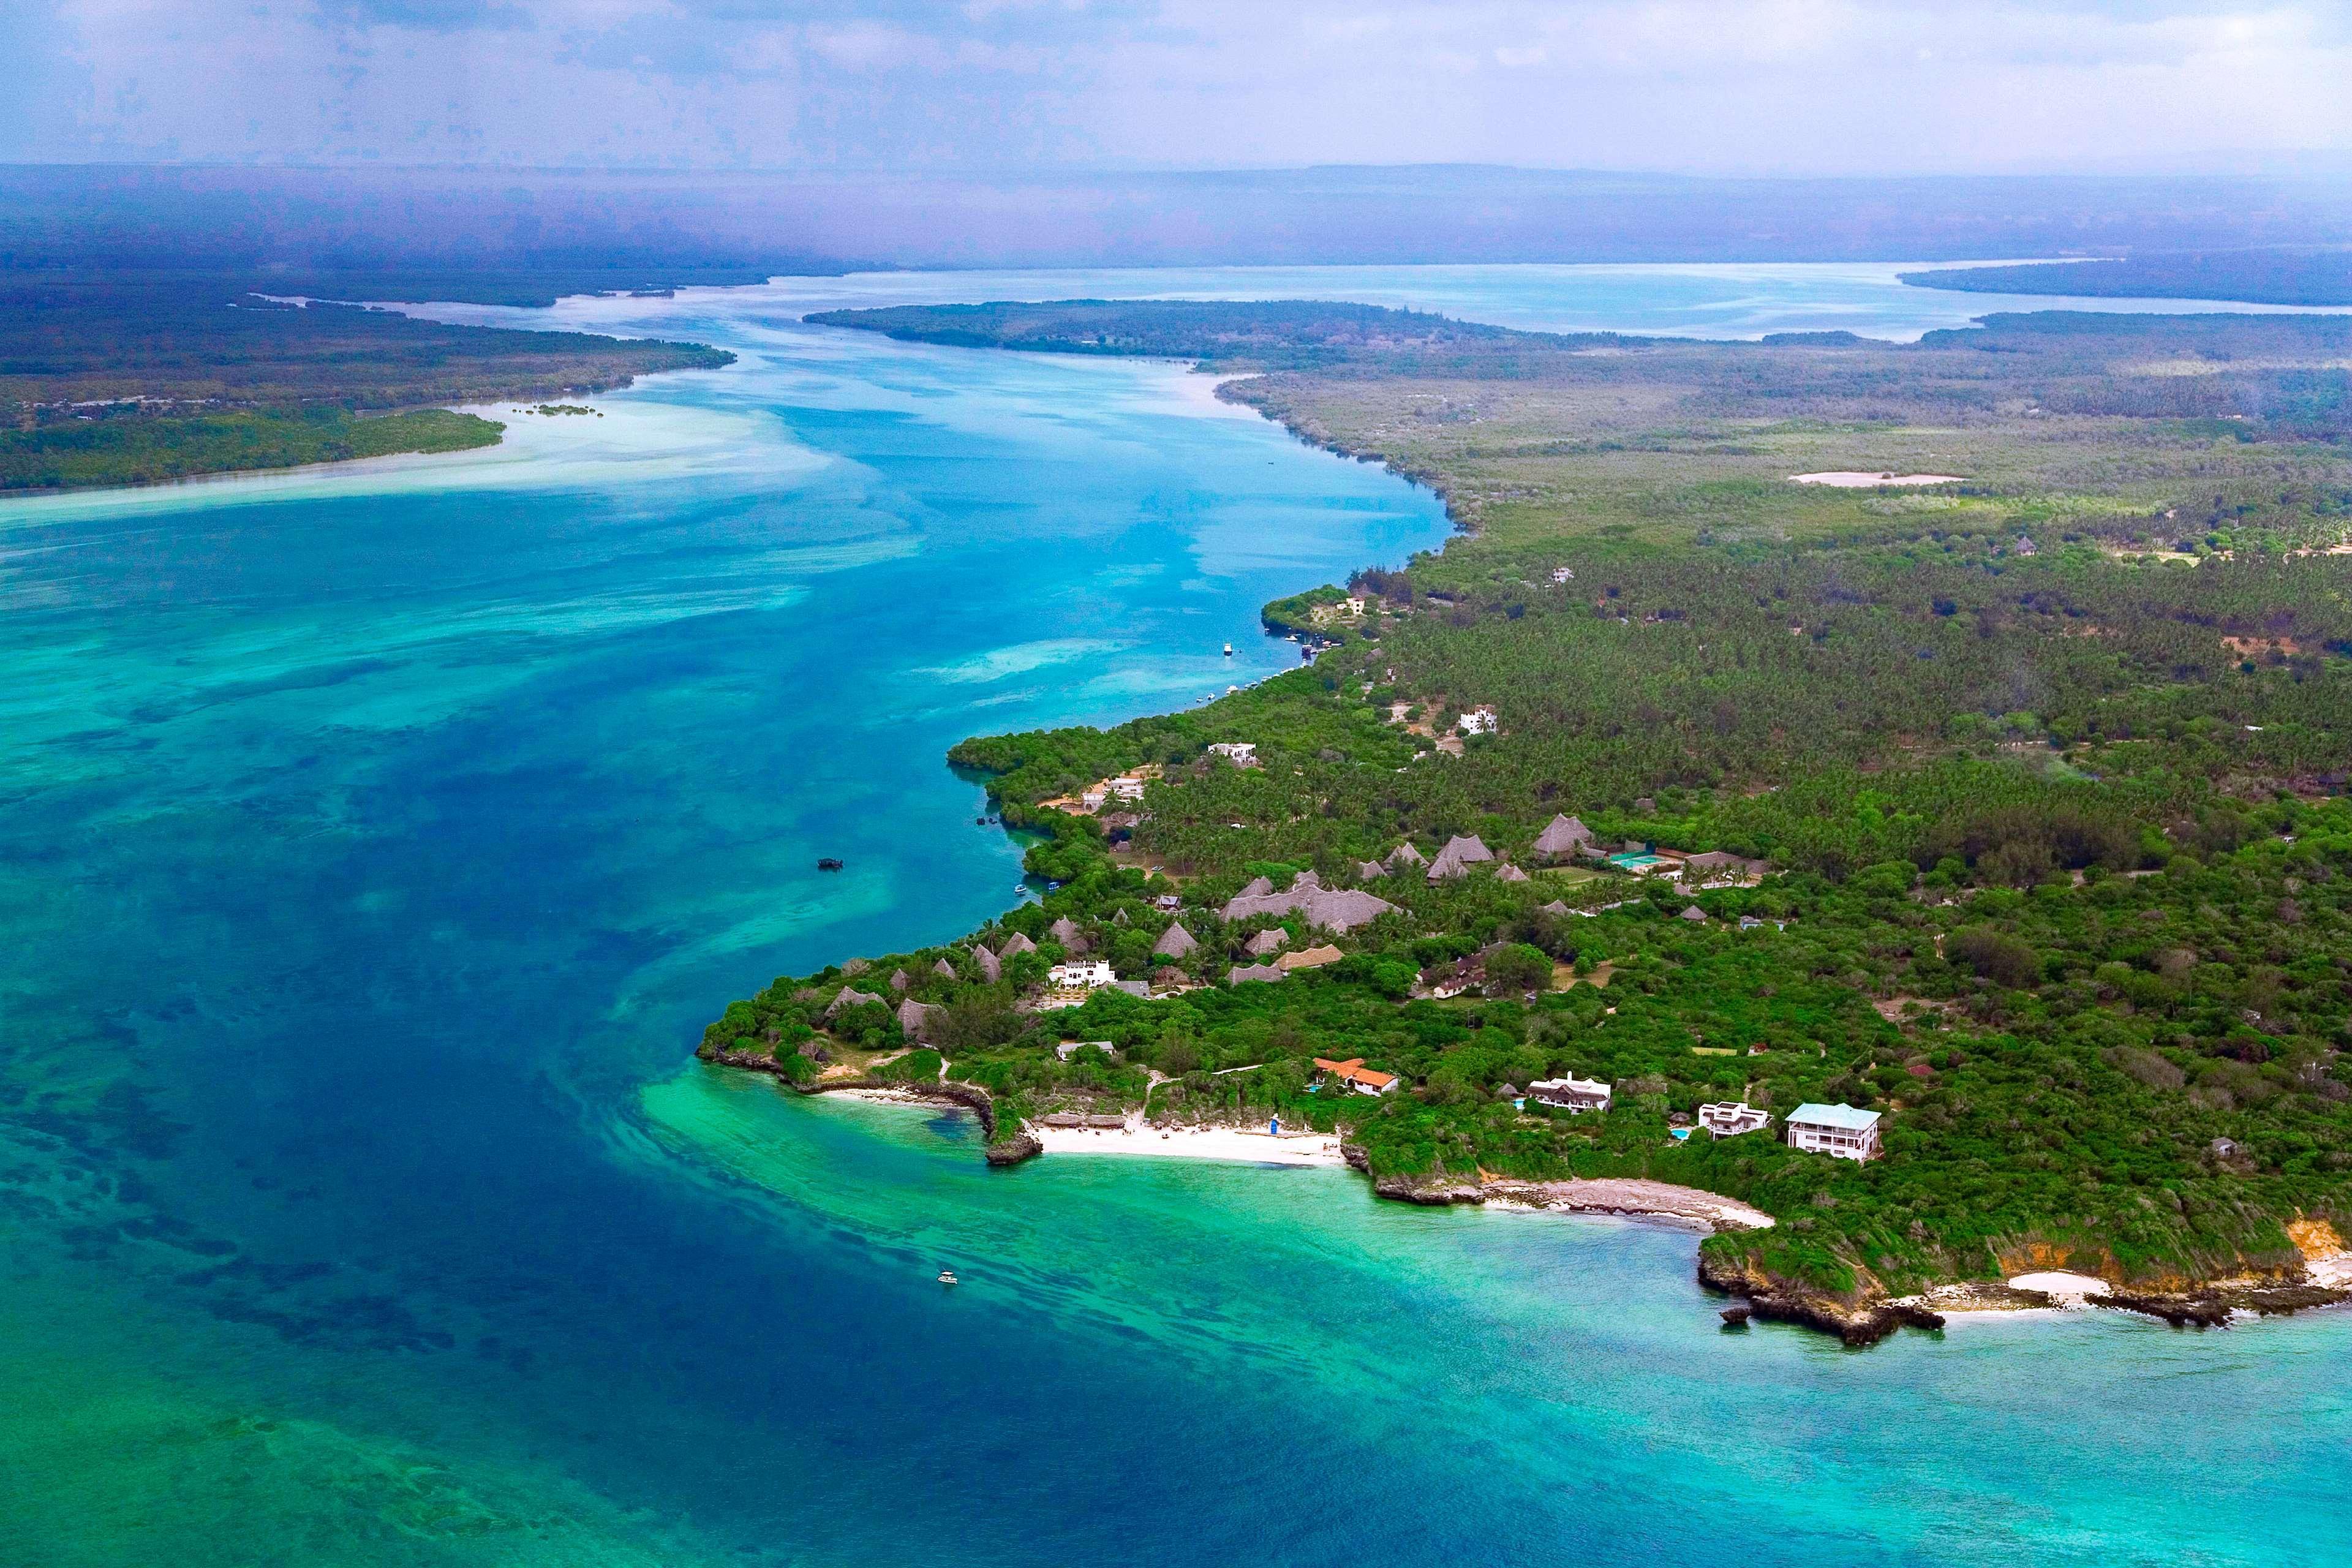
(670, 225)
(2315, 164)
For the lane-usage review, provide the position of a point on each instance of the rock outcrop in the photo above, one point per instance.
(1857, 1322)
(1022, 1145)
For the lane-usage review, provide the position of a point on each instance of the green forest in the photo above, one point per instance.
(130, 450)
(132, 379)
(2263, 275)
(2047, 764)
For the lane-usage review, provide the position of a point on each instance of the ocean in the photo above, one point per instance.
(374, 844)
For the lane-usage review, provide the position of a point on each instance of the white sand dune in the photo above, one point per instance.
(1850, 479)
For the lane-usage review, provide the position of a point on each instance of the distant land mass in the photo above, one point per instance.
(2256, 277)
(136, 379)
(648, 225)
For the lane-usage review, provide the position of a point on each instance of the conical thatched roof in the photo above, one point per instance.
(915, 1019)
(944, 967)
(1461, 852)
(1259, 887)
(1369, 871)
(1305, 880)
(989, 964)
(849, 998)
(1694, 913)
(1015, 943)
(1563, 837)
(1554, 908)
(899, 980)
(1268, 941)
(1174, 942)
(1344, 909)
(1506, 872)
(1404, 854)
(1065, 932)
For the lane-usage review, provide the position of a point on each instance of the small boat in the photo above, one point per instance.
(1229, 651)
(947, 1277)
(828, 864)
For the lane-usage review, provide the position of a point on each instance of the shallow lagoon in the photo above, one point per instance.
(375, 844)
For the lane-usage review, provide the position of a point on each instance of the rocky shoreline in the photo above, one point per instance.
(1857, 1322)
(1022, 1145)
(1868, 1319)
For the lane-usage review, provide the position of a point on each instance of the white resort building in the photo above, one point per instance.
(1357, 1075)
(1839, 1130)
(1087, 975)
(1729, 1119)
(1570, 1093)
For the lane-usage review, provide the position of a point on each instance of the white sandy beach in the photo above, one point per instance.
(892, 1097)
(1634, 1196)
(2062, 1285)
(1243, 1146)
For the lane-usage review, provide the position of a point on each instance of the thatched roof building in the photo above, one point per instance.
(1563, 835)
(1461, 852)
(1174, 942)
(1268, 941)
(849, 998)
(1016, 942)
(1345, 909)
(1242, 974)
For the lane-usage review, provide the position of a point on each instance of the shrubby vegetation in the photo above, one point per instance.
(133, 450)
(2274, 275)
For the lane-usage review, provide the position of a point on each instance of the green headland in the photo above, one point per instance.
(1945, 741)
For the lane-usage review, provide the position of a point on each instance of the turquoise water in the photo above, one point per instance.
(373, 845)
(1696, 300)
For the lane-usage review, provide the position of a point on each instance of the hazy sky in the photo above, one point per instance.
(1830, 86)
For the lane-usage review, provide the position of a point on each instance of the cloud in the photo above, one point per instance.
(1730, 85)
